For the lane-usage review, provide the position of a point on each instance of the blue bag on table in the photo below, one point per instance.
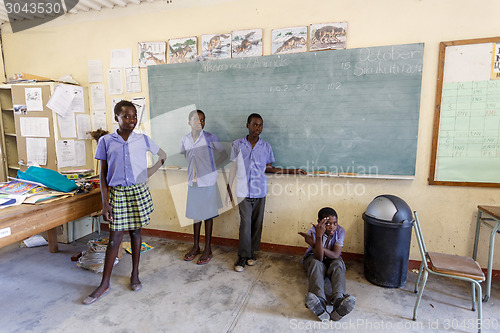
(50, 178)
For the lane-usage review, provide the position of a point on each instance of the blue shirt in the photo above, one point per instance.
(200, 157)
(127, 160)
(251, 181)
(337, 238)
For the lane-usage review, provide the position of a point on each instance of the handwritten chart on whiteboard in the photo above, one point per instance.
(468, 146)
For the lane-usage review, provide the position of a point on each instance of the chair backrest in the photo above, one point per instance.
(420, 239)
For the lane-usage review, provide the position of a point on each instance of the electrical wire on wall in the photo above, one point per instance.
(3, 58)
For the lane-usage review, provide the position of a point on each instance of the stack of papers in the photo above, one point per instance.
(17, 186)
(18, 191)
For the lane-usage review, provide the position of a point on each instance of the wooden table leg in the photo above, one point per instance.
(52, 235)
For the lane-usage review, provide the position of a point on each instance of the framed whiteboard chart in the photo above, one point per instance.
(466, 133)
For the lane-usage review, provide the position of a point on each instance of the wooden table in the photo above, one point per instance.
(23, 221)
(489, 216)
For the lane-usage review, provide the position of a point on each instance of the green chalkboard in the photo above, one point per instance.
(352, 110)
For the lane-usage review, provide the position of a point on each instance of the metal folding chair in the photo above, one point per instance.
(446, 265)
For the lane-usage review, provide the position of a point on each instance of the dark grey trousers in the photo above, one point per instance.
(251, 220)
(316, 270)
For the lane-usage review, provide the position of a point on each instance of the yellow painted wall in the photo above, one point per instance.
(447, 213)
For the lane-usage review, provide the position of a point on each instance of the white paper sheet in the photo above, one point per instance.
(36, 151)
(99, 120)
(140, 105)
(113, 104)
(61, 99)
(33, 99)
(78, 104)
(83, 126)
(95, 71)
(34, 127)
(66, 156)
(121, 58)
(98, 97)
(19, 198)
(34, 241)
(80, 153)
(67, 126)
(115, 82)
(133, 79)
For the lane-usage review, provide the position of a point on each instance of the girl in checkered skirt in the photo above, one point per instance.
(123, 177)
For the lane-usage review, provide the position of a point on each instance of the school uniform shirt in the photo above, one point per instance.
(251, 181)
(127, 160)
(200, 157)
(337, 238)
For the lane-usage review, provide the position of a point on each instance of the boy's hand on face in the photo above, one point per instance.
(320, 227)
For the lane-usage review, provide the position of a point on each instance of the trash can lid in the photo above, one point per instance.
(389, 208)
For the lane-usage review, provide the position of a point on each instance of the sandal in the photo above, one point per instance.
(190, 256)
(91, 299)
(136, 286)
(204, 261)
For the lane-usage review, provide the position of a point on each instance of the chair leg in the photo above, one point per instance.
(74, 232)
(99, 226)
(97, 220)
(419, 297)
(473, 296)
(479, 307)
(418, 276)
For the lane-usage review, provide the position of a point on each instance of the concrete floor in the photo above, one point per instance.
(42, 292)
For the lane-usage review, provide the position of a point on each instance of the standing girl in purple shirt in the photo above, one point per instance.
(123, 176)
(203, 199)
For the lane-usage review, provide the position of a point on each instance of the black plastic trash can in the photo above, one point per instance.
(388, 225)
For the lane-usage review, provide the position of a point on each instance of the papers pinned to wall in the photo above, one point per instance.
(99, 120)
(113, 103)
(121, 58)
(98, 97)
(66, 155)
(140, 105)
(36, 151)
(83, 126)
(115, 83)
(61, 100)
(80, 153)
(95, 71)
(67, 126)
(34, 126)
(33, 99)
(78, 104)
(133, 79)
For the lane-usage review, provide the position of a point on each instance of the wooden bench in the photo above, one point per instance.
(20, 222)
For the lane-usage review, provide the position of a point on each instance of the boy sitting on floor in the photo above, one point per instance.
(321, 259)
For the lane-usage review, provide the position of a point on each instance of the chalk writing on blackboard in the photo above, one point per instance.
(351, 111)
